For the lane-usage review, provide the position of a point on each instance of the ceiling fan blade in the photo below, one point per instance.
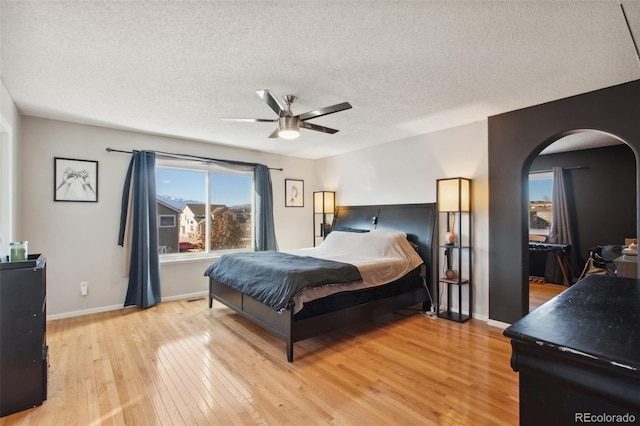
(250, 120)
(275, 133)
(271, 100)
(317, 128)
(324, 111)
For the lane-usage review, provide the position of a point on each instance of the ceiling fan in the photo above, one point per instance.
(288, 124)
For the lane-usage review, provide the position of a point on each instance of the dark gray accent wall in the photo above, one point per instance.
(601, 195)
(515, 140)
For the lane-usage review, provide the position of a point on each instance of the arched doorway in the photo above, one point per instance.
(514, 141)
(599, 173)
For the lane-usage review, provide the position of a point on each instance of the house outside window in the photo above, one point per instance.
(540, 203)
(167, 228)
(215, 206)
(166, 221)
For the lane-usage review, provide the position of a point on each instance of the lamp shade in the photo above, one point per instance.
(454, 195)
(324, 202)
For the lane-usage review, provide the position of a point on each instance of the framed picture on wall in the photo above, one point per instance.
(293, 193)
(75, 180)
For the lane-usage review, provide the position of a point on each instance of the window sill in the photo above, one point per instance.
(211, 257)
(199, 257)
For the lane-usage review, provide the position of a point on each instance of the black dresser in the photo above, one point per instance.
(23, 345)
(578, 355)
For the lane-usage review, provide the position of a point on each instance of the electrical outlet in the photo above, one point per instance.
(84, 287)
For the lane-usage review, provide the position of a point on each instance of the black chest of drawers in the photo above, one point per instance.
(23, 346)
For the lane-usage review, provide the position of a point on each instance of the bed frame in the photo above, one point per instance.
(416, 220)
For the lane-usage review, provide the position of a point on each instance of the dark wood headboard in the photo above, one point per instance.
(415, 220)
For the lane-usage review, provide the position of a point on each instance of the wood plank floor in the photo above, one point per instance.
(182, 363)
(541, 292)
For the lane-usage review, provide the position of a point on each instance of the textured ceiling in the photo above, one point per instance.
(407, 67)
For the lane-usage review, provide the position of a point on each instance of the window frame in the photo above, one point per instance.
(207, 169)
(173, 216)
(539, 176)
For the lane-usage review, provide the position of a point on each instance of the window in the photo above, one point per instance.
(215, 205)
(540, 202)
(166, 221)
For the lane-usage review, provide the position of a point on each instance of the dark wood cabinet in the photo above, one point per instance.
(577, 355)
(23, 346)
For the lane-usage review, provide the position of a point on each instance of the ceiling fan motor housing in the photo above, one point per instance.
(288, 124)
(289, 127)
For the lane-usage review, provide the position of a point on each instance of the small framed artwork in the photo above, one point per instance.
(75, 180)
(293, 193)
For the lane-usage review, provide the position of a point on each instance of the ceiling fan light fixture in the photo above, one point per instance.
(289, 128)
(288, 134)
(289, 124)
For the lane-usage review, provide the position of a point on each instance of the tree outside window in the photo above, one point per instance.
(213, 220)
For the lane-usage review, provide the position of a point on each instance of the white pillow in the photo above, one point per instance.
(374, 244)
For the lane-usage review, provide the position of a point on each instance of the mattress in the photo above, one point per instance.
(382, 257)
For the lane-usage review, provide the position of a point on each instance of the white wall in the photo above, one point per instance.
(10, 123)
(80, 239)
(406, 171)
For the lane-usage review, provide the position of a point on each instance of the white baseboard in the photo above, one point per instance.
(186, 296)
(205, 293)
(480, 317)
(116, 307)
(83, 312)
(499, 324)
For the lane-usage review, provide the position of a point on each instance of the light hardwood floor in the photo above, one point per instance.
(182, 363)
(541, 292)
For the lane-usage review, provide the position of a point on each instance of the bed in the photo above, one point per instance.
(353, 301)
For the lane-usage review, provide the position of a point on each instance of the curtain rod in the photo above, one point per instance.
(564, 168)
(191, 157)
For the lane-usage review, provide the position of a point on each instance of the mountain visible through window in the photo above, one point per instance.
(213, 210)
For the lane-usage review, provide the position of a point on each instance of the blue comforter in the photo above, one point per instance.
(273, 277)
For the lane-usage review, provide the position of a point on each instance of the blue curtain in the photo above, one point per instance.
(138, 224)
(265, 232)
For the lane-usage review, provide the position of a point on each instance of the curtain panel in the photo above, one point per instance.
(139, 231)
(560, 232)
(561, 224)
(265, 233)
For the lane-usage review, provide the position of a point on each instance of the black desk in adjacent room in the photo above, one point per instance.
(539, 254)
(578, 355)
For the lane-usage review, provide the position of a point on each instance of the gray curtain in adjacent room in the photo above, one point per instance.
(265, 234)
(561, 226)
(560, 232)
(139, 230)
